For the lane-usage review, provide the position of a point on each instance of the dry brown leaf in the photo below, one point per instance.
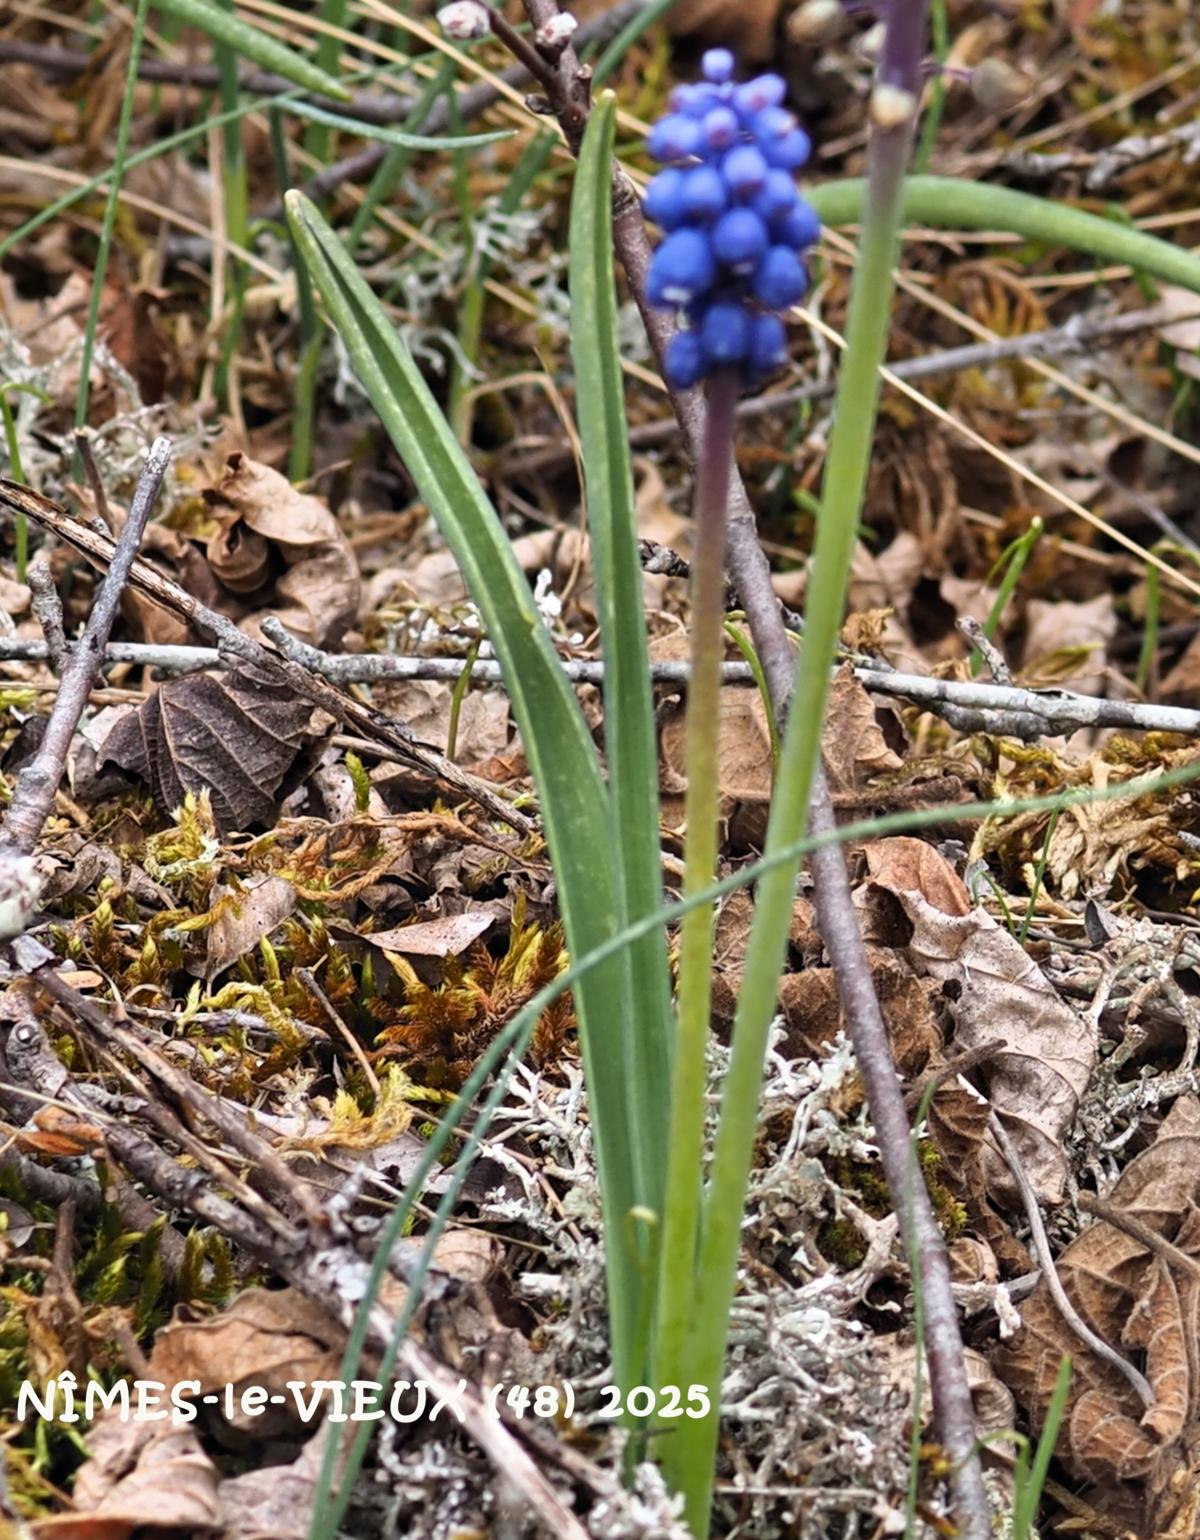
(277, 1502)
(1067, 641)
(854, 747)
(1046, 1051)
(916, 867)
(265, 1338)
(244, 917)
(263, 523)
(1140, 1303)
(449, 936)
(141, 1475)
(235, 735)
(744, 764)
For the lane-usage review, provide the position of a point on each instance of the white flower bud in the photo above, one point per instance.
(892, 106)
(556, 33)
(817, 22)
(465, 20)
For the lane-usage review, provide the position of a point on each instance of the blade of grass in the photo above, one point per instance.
(1149, 648)
(1028, 1494)
(629, 34)
(11, 439)
(250, 43)
(629, 736)
(124, 124)
(1013, 564)
(394, 164)
(557, 743)
(318, 141)
(237, 203)
(470, 317)
(402, 138)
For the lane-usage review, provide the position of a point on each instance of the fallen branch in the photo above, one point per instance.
(1009, 711)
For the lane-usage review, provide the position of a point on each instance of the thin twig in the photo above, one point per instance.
(47, 609)
(33, 794)
(1041, 1247)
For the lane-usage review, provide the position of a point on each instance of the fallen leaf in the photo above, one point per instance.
(235, 735)
(1143, 1305)
(1045, 1050)
(854, 747)
(264, 1339)
(244, 917)
(264, 522)
(141, 1475)
(449, 936)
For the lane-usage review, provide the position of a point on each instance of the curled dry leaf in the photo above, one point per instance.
(1045, 1051)
(265, 1338)
(1143, 1302)
(142, 1476)
(855, 749)
(448, 937)
(244, 917)
(264, 524)
(235, 735)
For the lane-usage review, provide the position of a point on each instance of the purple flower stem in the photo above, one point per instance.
(681, 1206)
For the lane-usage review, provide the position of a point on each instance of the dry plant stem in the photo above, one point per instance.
(33, 795)
(47, 609)
(1009, 711)
(1041, 1246)
(686, 1142)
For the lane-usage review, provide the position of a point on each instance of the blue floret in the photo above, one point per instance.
(703, 194)
(734, 222)
(780, 280)
(682, 268)
(739, 240)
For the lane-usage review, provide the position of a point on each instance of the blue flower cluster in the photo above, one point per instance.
(735, 222)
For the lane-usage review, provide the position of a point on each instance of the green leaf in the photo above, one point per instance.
(562, 759)
(397, 136)
(629, 736)
(254, 45)
(948, 204)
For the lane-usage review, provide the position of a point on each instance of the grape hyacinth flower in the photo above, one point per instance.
(734, 220)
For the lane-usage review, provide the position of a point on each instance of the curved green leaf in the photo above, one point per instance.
(629, 736)
(558, 746)
(257, 46)
(396, 136)
(948, 204)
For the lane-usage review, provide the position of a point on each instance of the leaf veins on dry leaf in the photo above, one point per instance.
(235, 735)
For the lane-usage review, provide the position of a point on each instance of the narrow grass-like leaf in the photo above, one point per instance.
(629, 736)
(558, 746)
(397, 136)
(257, 46)
(124, 124)
(949, 203)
